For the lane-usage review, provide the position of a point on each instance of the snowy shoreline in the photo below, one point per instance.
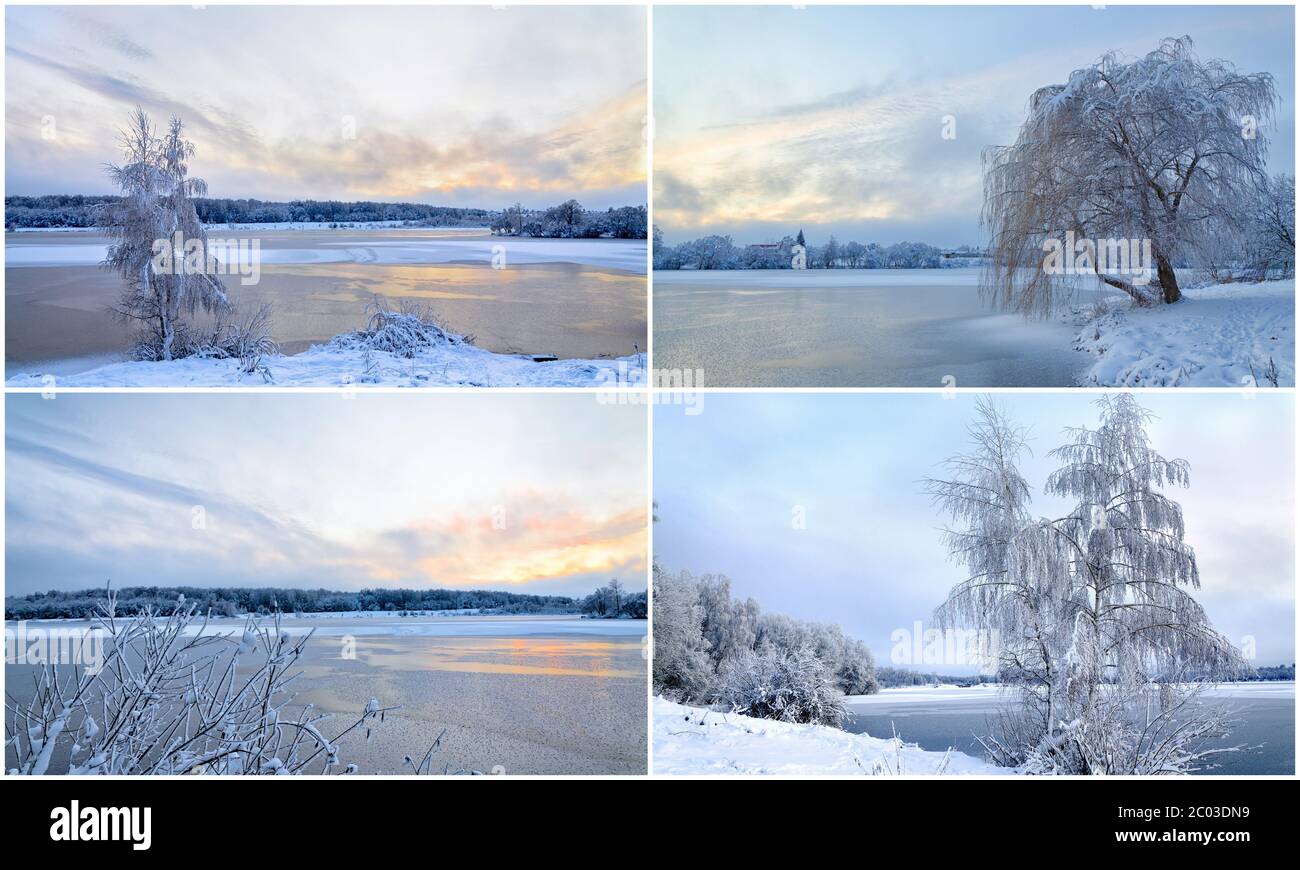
(1223, 335)
(459, 365)
(697, 741)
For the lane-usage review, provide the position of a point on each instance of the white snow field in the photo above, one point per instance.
(328, 366)
(1218, 336)
(693, 741)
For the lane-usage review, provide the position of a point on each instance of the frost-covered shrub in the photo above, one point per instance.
(228, 336)
(171, 697)
(1150, 730)
(406, 332)
(786, 685)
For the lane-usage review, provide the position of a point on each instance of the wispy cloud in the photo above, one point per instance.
(870, 122)
(451, 105)
(416, 494)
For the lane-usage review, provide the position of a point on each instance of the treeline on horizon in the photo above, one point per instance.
(610, 601)
(567, 220)
(721, 252)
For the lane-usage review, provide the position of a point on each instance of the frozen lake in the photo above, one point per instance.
(518, 694)
(853, 328)
(579, 298)
(938, 719)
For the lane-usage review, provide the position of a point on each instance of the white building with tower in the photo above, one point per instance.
(799, 253)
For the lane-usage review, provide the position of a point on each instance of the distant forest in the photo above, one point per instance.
(566, 220)
(608, 602)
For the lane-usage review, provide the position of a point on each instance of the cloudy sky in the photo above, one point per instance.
(528, 493)
(768, 119)
(871, 556)
(452, 106)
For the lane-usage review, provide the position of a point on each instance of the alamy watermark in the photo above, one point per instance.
(41, 646)
(626, 385)
(1129, 258)
(953, 647)
(195, 256)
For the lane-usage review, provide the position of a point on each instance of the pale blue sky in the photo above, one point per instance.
(450, 105)
(539, 494)
(830, 118)
(871, 558)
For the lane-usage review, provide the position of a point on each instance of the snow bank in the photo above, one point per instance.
(1219, 336)
(692, 740)
(331, 366)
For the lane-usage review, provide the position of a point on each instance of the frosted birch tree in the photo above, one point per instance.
(156, 204)
(1098, 633)
(1159, 148)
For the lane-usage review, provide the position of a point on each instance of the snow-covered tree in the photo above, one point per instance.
(856, 674)
(729, 626)
(1097, 630)
(681, 669)
(1270, 232)
(157, 203)
(1157, 148)
(831, 254)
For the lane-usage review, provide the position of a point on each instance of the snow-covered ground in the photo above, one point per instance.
(628, 255)
(1218, 336)
(693, 740)
(1256, 689)
(328, 366)
(925, 694)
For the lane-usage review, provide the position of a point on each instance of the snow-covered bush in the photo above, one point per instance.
(172, 697)
(406, 332)
(228, 336)
(786, 685)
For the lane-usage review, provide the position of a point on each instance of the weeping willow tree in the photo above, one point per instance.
(156, 204)
(1165, 149)
(1098, 633)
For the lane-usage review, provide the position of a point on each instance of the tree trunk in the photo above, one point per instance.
(1167, 279)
